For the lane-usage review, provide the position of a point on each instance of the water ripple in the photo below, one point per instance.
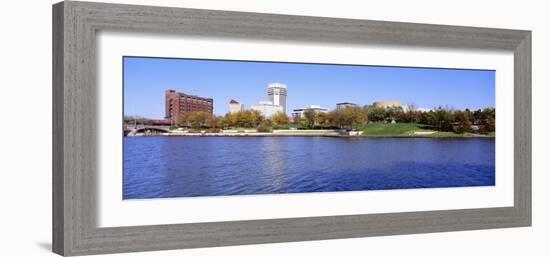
(156, 167)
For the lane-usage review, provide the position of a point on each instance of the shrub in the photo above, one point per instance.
(281, 127)
(263, 128)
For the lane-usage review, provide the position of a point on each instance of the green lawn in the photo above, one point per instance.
(394, 129)
(408, 129)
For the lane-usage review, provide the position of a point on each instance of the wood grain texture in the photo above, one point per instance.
(74, 138)
(522, 128)
(58, 229)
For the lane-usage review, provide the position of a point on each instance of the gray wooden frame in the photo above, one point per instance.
(74, 131)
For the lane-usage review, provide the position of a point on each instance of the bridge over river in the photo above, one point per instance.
(132, 130)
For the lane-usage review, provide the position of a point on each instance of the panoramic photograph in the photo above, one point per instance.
(196, 127)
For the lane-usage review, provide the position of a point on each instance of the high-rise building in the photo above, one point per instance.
(277, 93)
(177, 102)
(235, 106)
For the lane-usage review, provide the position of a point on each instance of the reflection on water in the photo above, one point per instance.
(210, 166)
(274, 165)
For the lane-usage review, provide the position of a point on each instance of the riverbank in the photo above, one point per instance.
(393, 130)
(322, 133)
(274, 133)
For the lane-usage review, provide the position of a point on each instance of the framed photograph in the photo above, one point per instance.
(183, 128)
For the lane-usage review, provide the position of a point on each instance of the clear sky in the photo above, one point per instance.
(146, 79)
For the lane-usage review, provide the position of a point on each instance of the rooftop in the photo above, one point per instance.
(188, 95)
(276, 85)
(311, 107)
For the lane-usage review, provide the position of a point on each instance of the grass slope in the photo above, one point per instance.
(384, 129)
(408, 129)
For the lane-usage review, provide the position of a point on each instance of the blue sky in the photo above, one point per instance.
(146, 79)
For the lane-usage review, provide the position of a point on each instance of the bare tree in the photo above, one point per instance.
(411, 111)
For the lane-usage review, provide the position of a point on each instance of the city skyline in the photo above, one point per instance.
(146, 79)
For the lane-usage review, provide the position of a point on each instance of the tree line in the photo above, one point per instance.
(441, 119)
(481, 120)
(354, 118)
(241, 119)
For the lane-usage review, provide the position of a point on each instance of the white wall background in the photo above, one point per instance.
(25, 148)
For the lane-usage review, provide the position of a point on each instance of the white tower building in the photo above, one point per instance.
(277, 94)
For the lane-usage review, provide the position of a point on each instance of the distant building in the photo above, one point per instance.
(267, 108)
(344, 105)
(298, 113)
(177, 102)
(388, 104)
(277, 93)
(235, 106)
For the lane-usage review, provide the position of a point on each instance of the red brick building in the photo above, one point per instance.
(177, 102)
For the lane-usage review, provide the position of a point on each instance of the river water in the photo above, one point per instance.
(156, 167)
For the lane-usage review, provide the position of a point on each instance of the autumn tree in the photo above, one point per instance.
(462, 122)
(256, 117)
(487, 119)
(181, 119)
(303, 122)
(334, 118)
(230, 119)
(195, 120)
(244, 119)
(310, 115)
(352, 117)
(323, 119)
(377, 114)
(280, 119)
(199, 119)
